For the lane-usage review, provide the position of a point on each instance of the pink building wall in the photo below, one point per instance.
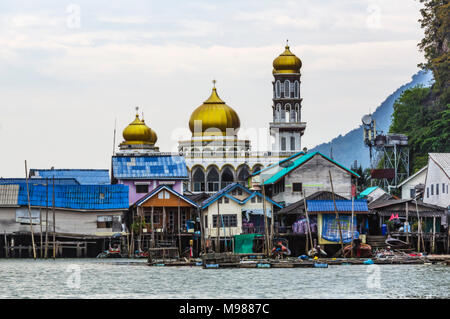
(133, 196)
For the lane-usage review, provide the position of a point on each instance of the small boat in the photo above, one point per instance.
(320, 265)
(263, 265)
(211, 266)
(396, 243)
(360, 250)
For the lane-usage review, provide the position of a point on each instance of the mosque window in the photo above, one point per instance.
(286, 89)
(212, 180)
(283, 143)
(198, 180)
(283, 114)
(243, 175)
(297, 111)
(227, 177)
(296, 89)
(292, 143)
(278, 89)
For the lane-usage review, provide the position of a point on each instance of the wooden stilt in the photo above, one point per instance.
(46, 220)
(29, 213)
(54, 218)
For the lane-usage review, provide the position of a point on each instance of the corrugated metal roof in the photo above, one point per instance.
(228, 189)
(149, 167)
(300, 161)
(360, 205)
(367, 191)
(9, 195)
(83, 197)
(83, 176)
(39, 181)
(278, 164)
(443, 160)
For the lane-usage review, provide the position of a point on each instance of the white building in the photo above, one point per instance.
(410, 185)
(437, 180)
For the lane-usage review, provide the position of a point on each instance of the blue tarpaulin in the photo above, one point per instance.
(330, 228)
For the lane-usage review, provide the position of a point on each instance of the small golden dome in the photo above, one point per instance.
(287, 62)
(215, 116)
(139, 133)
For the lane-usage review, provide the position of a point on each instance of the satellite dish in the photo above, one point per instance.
(367, 119)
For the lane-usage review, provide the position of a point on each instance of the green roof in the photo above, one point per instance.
(367, 191)
(300, 161)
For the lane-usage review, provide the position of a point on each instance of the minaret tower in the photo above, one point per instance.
(287, 127)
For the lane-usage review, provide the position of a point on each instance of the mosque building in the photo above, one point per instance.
(216, 157)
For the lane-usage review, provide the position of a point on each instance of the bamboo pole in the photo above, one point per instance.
(218, 228)
(179, 227)
(337, 214)
(202, 231)
(40, 226)
(266, 228)
(351, 224)
(406, 227)
(152, 226)
(46, 219)
(419, 227)
(54, 218)
(308, 223)
(6, 245)
(29, 212)
(433, 247)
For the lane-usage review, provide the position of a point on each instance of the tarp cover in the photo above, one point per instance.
(330, 228)
(243, 244)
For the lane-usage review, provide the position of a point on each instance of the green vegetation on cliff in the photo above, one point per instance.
(423, 114)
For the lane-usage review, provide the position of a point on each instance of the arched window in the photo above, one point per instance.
(212, 180)
(286, 89)
(227, 176)
(257, 168)
(283, 114)
(297, 112)
(288, 112)
(283, 143)
(243, 175)
(278, 113)
(296, 89)
(198, 178)
(278, 89)
(292, 143)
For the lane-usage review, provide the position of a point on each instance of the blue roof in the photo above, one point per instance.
(39, 181)
(83, 176)
(159, 188)
(360, 205)
(224, 192)
(300, 161)
(84, 197)
(149, 167)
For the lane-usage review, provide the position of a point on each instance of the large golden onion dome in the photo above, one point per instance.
(139, 133)
(215, 116)
(287, 62)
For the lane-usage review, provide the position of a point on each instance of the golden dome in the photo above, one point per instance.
(287, 62)
(215, 116)
(139, 133)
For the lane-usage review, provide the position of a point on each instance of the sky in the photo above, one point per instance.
(72, 71)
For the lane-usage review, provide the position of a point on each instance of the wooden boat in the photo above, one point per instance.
(360, 250)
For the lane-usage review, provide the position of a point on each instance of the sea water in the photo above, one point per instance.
(123, 278)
